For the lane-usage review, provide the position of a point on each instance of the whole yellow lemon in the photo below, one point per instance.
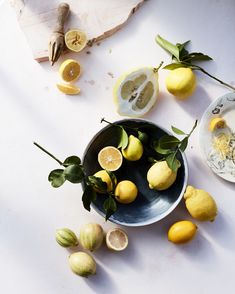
(126, 192)
(134, 149)
(182, 232)
(160, 176)
(181, 82)
(104, 176)
(200, 204)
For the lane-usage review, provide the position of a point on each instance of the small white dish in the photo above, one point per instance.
(223, 107)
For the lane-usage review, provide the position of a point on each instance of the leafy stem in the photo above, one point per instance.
(73, 172)
(182, 58)
(48, 153)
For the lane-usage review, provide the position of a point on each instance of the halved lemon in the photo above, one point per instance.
(70, 70)
(75, 40)
(68, 89)
(110, 158)
(217, 123)
(116, 239)
(135, 92)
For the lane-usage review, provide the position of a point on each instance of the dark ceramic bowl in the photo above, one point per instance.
(150, 205)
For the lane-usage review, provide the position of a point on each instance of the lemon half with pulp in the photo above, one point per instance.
(75, 40)
(70, 70)
(135, 92)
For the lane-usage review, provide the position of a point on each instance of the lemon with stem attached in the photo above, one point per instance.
(181, 82)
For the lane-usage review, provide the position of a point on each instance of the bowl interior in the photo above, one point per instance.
(150, 205)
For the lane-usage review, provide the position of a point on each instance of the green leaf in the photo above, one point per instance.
(172, 66)
(98, 183)
(197, 56)
(168, 142)
(71, 160)
(159, 150)
(56, 177)
(74, 173)
(173, 49)
(177, 131)
(143, 137)
(123, 141)
(183, 51)
(113, 179)
(183, 144)
(173, 162)
(110, 207)
(89, 195)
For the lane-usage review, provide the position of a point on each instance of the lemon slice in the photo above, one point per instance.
(70, 70)
(110, 158)
(217, 123)
(116, 239)
(68, 89)
(135, 93)
(75, 40)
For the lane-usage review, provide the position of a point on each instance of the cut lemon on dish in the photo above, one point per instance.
(68, 89)
(75, 40)
(116, 239)
(70, 70)
(217, 123)
(135, 92)
(110, 158)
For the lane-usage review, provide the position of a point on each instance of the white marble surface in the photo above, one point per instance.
(33, 110)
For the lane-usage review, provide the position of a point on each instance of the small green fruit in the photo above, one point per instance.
(82, 264)
(66, 238)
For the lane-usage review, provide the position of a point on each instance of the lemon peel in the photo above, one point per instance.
(200, 204)
(182, 232)
(126, 192)
(134, 149)
(68, 89)
(181, 82)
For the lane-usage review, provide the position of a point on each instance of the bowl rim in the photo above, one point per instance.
(161, 216)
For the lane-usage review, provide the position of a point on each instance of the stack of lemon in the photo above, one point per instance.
(70, 69)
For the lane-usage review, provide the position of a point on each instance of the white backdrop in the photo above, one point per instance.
(33, 110)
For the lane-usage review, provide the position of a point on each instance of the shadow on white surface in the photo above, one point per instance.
(197, 103)
(101, 282)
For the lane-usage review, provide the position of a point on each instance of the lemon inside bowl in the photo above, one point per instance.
(150, 205)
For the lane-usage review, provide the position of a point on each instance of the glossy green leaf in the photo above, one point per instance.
(143, 137)
(169, 47)
(74, 173)
(173, 162)
(98, 183)
(183, 144)
(89, 195)
(71, 160)
(123, 141)
(177, 131)
(57, 178)
(113, 179)
(110, 207)
(159, 150)
(168, 142)
(196, 56)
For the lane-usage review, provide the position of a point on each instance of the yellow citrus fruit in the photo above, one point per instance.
(200, 204)
(75, 40)
(116, 239)
(68, 89)
(70, 70)
(182, 232)
(126, 192)
(110, 158)
(134, 149)
(160, 176)
(135, 92)
(105, 177)
(181, 82)
(217, 123)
